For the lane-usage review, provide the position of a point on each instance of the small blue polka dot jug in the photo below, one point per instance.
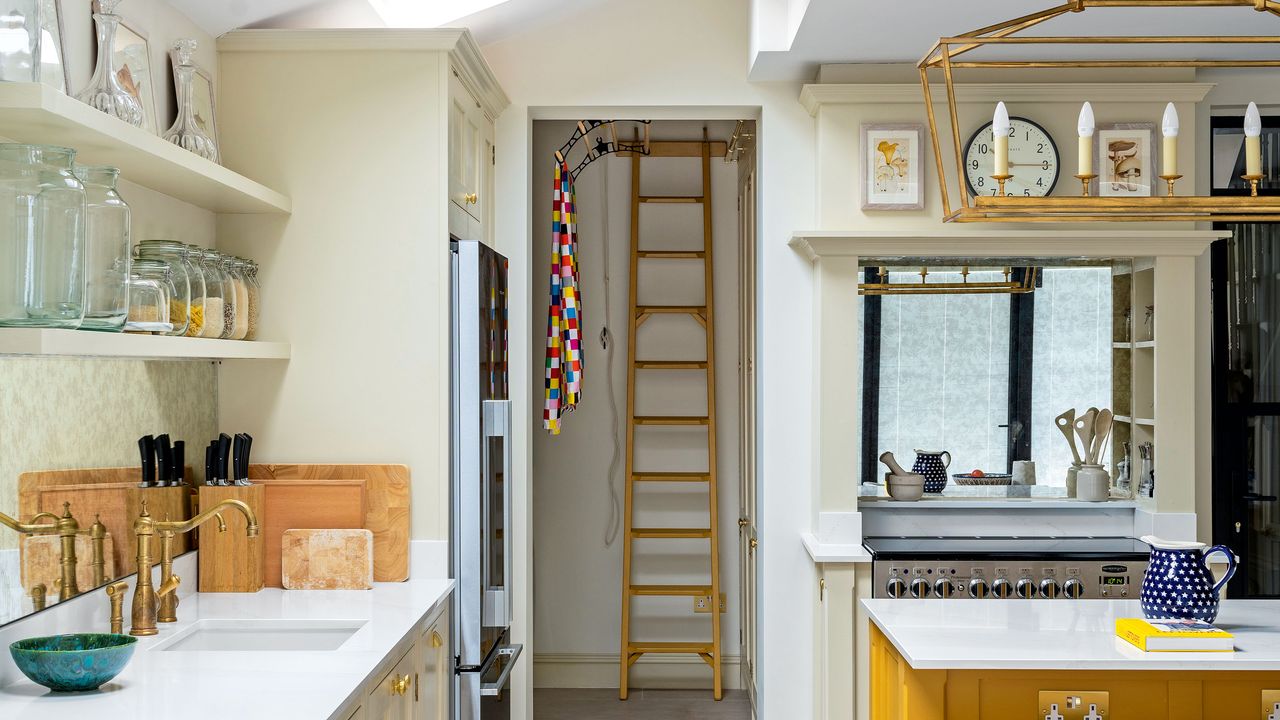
(1178, 583)
(933, 467)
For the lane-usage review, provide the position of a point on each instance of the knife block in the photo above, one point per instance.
(231, 561)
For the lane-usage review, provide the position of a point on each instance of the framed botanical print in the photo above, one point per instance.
(891, 168)
(133, 58)
(1126, 162)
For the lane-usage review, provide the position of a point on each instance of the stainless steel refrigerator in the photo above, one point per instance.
(480, 465)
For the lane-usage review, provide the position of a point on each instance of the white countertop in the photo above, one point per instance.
(1017, 497)
(834, 552)
(246, 685)
(1060, 635)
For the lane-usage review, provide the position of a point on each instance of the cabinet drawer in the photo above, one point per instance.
(393, 697)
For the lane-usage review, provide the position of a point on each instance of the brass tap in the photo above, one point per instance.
(98, 536)
(116, 591)
(67, 528)
(39, 595)
(145, 597)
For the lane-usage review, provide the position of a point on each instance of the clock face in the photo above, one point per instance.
(1033, 161)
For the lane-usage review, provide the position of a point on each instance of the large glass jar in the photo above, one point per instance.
(151, 289)
(106, 239)
(217, 290)
(42, 208)
(255, 298)
(195, 310)
(177, 256)
(235, 268)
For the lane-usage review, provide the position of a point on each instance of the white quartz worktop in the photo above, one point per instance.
(246, 685)
(1015, 497)
(1060, 635)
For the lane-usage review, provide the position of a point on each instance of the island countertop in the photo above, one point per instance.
(1060, 635)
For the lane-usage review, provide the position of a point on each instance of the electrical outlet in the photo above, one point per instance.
(1271, 705)
(702, 604)
(1075, 705)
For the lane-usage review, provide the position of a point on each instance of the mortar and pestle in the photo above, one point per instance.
(902, 485)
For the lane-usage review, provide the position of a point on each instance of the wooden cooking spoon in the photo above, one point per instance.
(1084, 430)
(1101, 429)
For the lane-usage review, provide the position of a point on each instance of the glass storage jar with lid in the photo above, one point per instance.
(236, 270)
(255, 298)
(195, 310)
(106, 239)
(151, 290)
(42, 208)
(177, 256)
(216, 293)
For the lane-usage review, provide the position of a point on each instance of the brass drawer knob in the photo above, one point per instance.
(400, 685)
(471, 198)
(436, 640)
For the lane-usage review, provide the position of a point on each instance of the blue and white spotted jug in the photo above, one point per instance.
(1178, 583)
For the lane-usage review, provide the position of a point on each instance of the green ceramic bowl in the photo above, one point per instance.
(73, 663)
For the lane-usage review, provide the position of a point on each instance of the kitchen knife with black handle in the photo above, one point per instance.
(164, 460)
(209, 453)
(147, 449)
(224, 459)
(240, 467)
(178, 467)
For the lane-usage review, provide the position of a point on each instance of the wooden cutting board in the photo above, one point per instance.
(327, 559)
(386, 508)
(322, 503)
(42, 562)
(113, 495)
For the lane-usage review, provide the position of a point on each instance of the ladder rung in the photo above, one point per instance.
(671, 309)
(671, 198)
(671, 364)
(670, 420)
(671, 533)
(670, 647)
(671, 590)
(670, 477)
(672, 254)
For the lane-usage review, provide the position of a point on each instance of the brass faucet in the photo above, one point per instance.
(116, 591)
(67, 528)
(98, 536)
(145, 597)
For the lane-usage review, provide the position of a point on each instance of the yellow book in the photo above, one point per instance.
(1174, 635)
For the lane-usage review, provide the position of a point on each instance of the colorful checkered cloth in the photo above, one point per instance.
(564, 318)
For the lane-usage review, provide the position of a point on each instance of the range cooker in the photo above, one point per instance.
(1006, 567)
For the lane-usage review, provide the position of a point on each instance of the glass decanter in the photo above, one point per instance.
(186, 133)
(105, 91)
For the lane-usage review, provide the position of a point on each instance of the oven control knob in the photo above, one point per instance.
(1049, 589)
(943, 588)
(919, 588)
(1073, 588)
(896, 588)
(1002, 588)
(978, 588)
(1026, 589)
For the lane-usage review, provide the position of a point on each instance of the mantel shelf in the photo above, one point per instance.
(35, 113)
(84, 343)
(946, 242)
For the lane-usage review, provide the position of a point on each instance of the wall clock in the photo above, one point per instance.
(1033, 160)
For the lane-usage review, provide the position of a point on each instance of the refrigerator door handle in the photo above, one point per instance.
(497, 423)
(512, 652)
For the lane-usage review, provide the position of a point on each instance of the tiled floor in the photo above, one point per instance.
(557, 704)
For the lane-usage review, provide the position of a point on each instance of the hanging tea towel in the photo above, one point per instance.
(564, 318)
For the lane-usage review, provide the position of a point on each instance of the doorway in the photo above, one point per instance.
(578, 475)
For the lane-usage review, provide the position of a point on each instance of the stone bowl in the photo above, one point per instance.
(73, 663)
(906, 488)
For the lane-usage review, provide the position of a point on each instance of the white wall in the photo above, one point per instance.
(699, 73)
(576, 576)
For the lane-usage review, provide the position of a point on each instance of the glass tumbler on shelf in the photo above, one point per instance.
(106, 239)
(105, 91)
(216, 293)
(42, 237)
(177, 256)
(151, 289)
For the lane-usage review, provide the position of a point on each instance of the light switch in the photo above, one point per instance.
(1075, 705)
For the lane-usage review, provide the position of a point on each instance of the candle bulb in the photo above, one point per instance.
(1169, 163)
(1252, 141)
(1000, 139)
(1085, 127)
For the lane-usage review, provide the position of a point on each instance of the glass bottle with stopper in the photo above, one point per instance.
(186, 132)
(105, 91)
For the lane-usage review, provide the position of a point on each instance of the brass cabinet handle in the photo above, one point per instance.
(743, 522)
(416, 685)
(471, 198)
(436, 640)
(822, 589)
(400, 685)
(753, 543)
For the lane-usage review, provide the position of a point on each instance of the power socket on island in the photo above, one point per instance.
(702, 604)
(1075, 705)
(1271, 705)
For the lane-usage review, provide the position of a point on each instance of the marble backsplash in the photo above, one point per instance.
(62, 413)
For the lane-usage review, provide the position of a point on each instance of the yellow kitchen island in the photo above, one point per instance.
(1060, 660)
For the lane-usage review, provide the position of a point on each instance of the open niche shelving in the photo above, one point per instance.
(1133, 366)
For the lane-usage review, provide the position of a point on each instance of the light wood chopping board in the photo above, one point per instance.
(42, 561)
(386, 507)
(327, 559)
(322, 503)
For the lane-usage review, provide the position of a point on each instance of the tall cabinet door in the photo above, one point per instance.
(471, 157)
(436, 663)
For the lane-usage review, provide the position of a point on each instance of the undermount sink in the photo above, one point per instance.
(262, 636)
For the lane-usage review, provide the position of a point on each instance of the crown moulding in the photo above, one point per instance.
(813, 97)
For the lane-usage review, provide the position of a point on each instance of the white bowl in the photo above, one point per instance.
(905, 488)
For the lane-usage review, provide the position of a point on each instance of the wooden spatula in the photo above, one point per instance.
(1084, 430)
(1065, 422)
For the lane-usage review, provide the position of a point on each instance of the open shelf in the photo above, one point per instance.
(1140, 345)
(85, 343)
(36, 113)
(1148, 422)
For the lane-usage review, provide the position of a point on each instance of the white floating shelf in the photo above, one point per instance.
(85, 343)
(1149, 422)
(36, 113)
(1140, 345)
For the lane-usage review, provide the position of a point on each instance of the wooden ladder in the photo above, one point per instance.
(709, 650)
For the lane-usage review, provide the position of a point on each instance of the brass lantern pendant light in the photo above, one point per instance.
(957, 53)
